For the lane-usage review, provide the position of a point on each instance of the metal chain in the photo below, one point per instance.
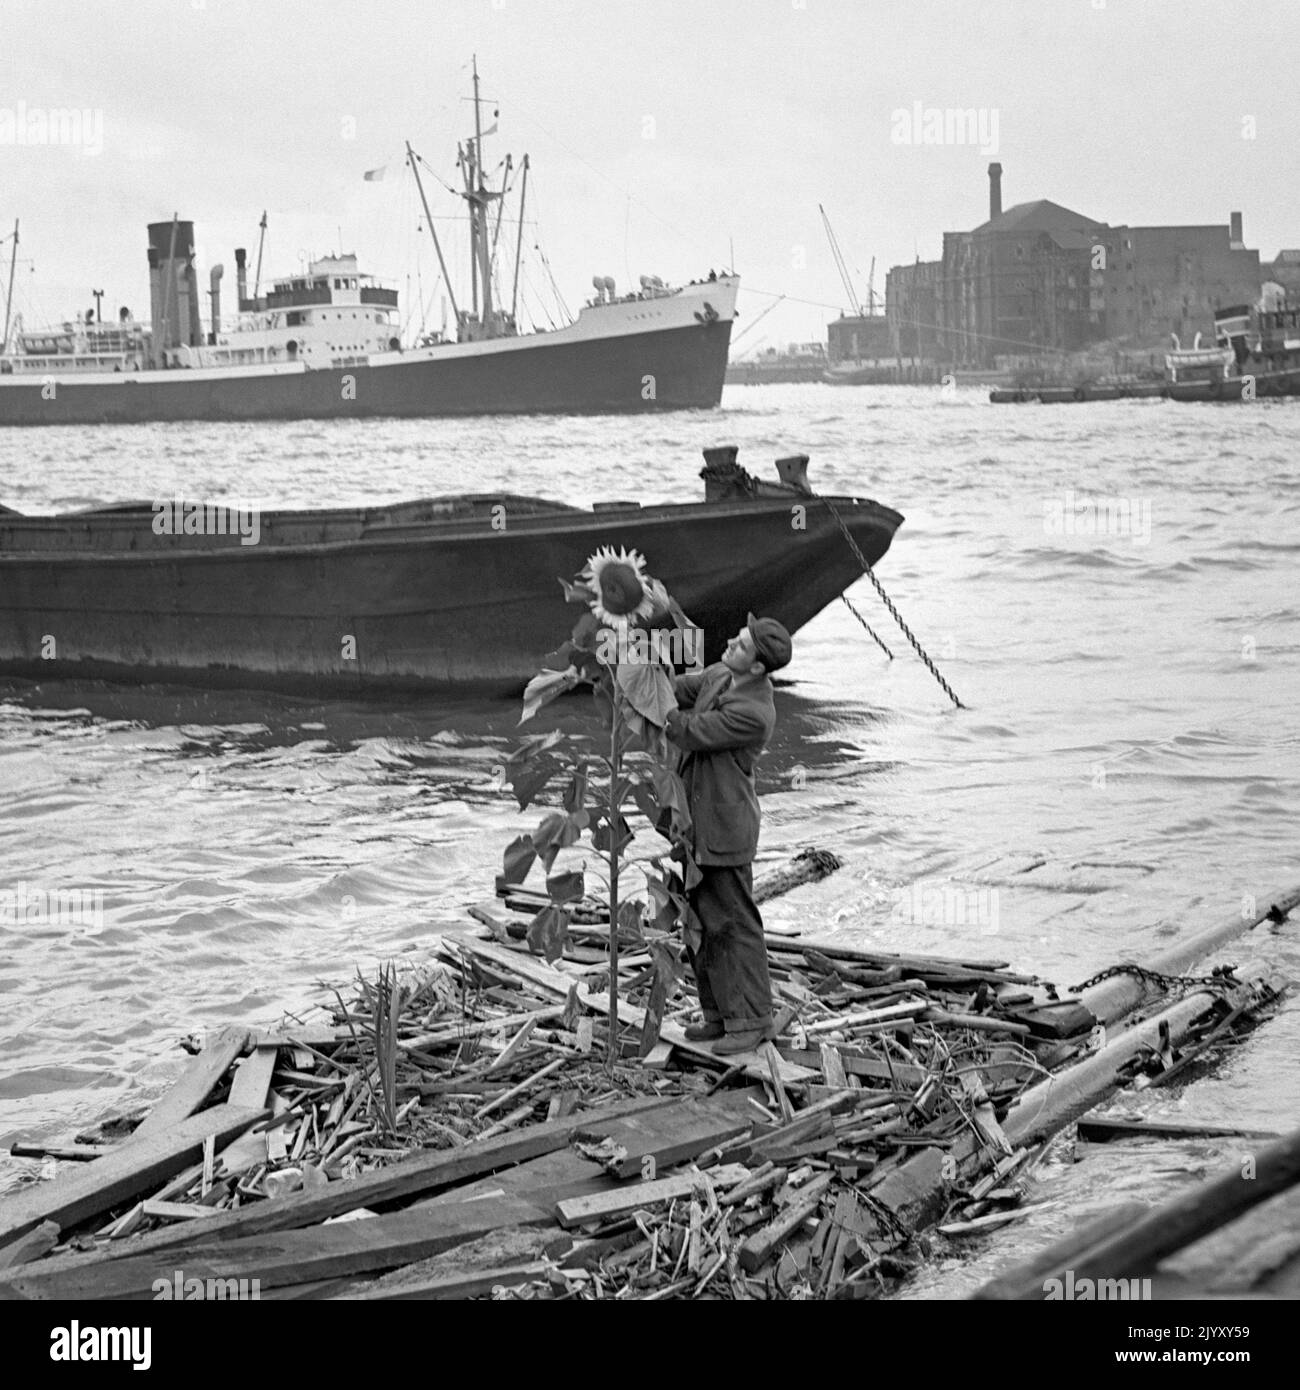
(848, 603)
(889, 603)
(1220, 978)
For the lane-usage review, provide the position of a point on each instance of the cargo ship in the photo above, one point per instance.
(326, 341)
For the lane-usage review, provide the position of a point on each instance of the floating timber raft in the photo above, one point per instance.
(456, 1131)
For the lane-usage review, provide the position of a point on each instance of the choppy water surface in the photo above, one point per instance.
(1128, 768)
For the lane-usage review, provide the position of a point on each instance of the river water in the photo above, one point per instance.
(1113, 589)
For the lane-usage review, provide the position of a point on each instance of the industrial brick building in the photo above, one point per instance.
(1040, 277)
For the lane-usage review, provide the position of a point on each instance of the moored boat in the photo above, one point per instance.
(434, 594)
(1256, 354)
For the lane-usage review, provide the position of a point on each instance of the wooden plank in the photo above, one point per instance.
(977, 1022)
(676, 1133)
(194, 1084)
(832, 1066)
(176, 1211)
(542, 1182)
(425, 1172)
(837, 950)
(1101, 1129)
(668, 1135)
(253, 1077)
(630, 1197)
(758, 1247)
(465, 1285)
(37, 1242)
(774, 1062)
(659, 1056)
(246, 1152)
(454, 1033)
(511, 1049)
(294, 1257)
(904, 1073)
(889, 1014)
(554, 979)
(134, 1167)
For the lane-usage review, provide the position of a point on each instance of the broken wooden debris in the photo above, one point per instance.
(804, 1169)
(195, 1083)
(135, 1167)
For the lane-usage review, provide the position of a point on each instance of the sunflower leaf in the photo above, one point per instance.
(648, 689)
(544, 687)
(564, 888)
(548, 932)
(519, 857)
(576, 593)
(575, 794)
(528, 780)
(555, 833)
(601, 837)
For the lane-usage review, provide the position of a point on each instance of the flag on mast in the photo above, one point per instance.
(375, 175)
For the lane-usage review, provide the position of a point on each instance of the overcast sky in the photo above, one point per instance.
(662, 132)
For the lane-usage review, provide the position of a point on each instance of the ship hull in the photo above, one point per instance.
(443, 607)
(678, 368)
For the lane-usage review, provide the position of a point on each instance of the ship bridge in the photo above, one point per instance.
(331, 280)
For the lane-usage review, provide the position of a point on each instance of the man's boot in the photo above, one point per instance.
(735, 1043)
(705, 1032)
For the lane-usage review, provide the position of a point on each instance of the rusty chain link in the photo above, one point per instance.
(1220, 978)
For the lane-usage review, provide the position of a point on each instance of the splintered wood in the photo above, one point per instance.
(466, 1113)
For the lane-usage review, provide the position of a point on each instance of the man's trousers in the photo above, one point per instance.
(731, 963)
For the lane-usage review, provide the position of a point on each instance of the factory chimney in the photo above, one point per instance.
(1234, 232)
(995, 191)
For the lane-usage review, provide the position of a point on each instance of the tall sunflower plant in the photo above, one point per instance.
(623, 646)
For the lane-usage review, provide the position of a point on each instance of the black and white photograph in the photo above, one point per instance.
(649, 651)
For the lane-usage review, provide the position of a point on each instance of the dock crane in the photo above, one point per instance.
(869, 310)
(755, 322)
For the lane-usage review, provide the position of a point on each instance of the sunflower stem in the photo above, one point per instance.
(614, 740)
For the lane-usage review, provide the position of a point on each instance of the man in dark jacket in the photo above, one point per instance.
(724, 717)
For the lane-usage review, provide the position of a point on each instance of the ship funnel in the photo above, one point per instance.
(241, 276)
(173, 294)
(214, 293)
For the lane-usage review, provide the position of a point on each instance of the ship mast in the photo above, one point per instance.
(519, 243)
(9, 296)
(478, 209)
(433, 231)
(261, 242)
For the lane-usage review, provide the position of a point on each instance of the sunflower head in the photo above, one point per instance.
(619, 584)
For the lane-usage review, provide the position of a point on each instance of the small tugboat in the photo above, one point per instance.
(1256, 354)
(439, 594)
(326, 342)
